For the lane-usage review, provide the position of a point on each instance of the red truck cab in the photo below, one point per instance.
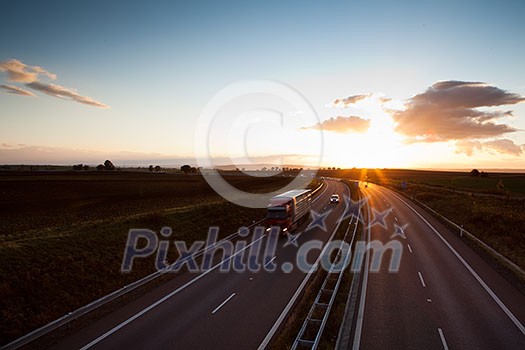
(279, 214)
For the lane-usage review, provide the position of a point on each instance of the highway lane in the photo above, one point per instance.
(209, 310)
(444, 295)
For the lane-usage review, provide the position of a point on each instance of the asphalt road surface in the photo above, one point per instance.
(444, 294)
(211, 309)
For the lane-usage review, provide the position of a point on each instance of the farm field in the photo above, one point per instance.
(513, 183)
(63, 234)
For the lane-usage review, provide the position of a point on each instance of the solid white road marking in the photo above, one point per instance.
(222, 304)
(493, 295)
(409, 248)
(269, 262)
(163, 299)
(421, 279)
(443, 340)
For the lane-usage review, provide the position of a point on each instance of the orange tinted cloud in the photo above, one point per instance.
(15, 90)
(342, 125)
(448, 111)
(350, 100)
(502, 146)
(62, 92)
(19, 72)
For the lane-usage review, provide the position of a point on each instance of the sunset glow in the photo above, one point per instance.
(135, 93)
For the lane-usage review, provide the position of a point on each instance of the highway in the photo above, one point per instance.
(211, 309)
(444, 296)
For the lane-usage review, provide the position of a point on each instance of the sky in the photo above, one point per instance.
(405, 84)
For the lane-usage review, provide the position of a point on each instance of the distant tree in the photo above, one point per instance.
(264, 168)
(483, 174)
(193, 170)
(474, 173)
(151, 168)
(100, 167)
(185, 168)
(108, 165)
(158, 168)
(78, 166)
(85, 167)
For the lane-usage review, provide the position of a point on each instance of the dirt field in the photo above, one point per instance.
(63, 233)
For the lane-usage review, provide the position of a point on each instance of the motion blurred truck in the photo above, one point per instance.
(289, 209)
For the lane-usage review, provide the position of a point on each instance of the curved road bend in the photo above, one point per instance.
(444, 295)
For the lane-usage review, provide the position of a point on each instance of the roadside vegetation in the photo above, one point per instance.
(499, 222)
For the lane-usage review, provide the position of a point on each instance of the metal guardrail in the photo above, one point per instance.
(83, 310)
(344, 334)
(510, 264)
(471, 236)
(342, 341)
(327, 290)
(284, 314)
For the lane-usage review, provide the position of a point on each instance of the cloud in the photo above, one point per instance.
(467, 147)
(19, 72)
(15, 90)
(448, 111)
(62, 92)
(36, 154)
(342, 125)
(345, 102)
(502, 146)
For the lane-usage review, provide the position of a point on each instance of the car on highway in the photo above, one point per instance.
(334, 198)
